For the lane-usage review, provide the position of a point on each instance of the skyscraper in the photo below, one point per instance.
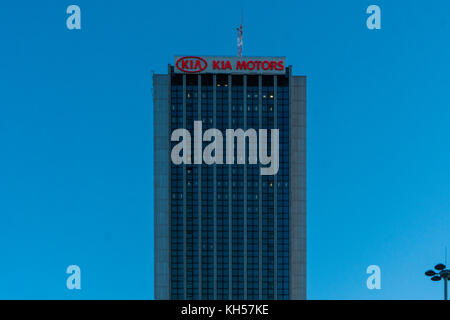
(225, 230)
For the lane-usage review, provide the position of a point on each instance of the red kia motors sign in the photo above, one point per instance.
(191, 64)
(235, 65)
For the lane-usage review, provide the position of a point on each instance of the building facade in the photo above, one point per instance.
(225, 231)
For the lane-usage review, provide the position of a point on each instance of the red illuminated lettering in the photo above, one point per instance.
(216, 65)
(227, 65)
(241, 65)
(280, 65)
(191, 64)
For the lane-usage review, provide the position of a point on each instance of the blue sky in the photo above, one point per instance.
(76, 180)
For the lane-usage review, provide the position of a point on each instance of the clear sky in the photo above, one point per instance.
(76, 180)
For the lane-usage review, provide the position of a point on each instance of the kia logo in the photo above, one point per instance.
(191, 64)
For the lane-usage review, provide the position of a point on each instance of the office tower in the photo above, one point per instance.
(227, 231)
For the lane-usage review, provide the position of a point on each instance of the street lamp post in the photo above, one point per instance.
(445, 289)
(442, 273)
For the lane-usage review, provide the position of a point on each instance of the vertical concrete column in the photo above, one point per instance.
(215, 188)
(184, 196)
(260, 191)
(199, 110)
(161, 154)
(275, 199)
(297, 188)
(245, 193)
(230, 201)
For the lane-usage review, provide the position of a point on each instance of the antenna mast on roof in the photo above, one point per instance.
(240, 35)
